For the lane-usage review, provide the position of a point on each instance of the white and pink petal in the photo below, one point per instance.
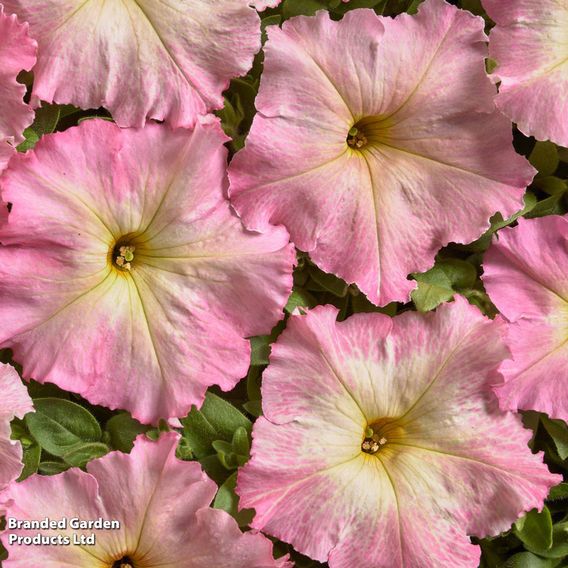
(438, 155)
(140, 59)
(157, 336)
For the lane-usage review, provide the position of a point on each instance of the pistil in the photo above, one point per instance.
(125, 257)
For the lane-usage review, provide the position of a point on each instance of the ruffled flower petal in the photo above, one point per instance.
(17, 53)
(140, 59)
(142, 492)
(531, 50)
(526, 276)
(447, 462)
(377, 142)
(126, 277)
(14, 402)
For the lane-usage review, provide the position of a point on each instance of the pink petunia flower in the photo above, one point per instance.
(377, 142)
(126, 277)
(382, 443)
(530, 46)
(160, 502)
(526, 276)
(17, 53)
(14, 402)
(141, 59)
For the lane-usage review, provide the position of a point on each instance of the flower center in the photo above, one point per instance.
(369, 131)
(356, 139)
(123, 255)
(373, 441)
(382, 435)
(124, 562)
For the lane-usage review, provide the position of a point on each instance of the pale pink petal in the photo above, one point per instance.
(438, 160)
(17, 53)
(530, 47)
(152, 339)
(140, 59)
(261, 5)
(14, 402)
(160, 502)
(452, 463)
(526, 276)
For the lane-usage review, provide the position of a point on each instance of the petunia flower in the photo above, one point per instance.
(126, 277)
(142, 59)
(160, 503)
(530, 46)
(17, 53)
(382, 443)
(526, 276)
(14, 402)
(377, 142)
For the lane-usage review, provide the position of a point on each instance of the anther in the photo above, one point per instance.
(125, 257)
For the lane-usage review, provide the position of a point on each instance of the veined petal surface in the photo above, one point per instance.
(526, 276)
(149, 333)
(17, 53)
(14, 402)
(530, 45)
(449, 464)
(142, 492)
(157, 59)
(377, 142)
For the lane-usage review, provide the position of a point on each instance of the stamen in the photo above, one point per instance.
(356, 139)
(371, 445)
(125, 257)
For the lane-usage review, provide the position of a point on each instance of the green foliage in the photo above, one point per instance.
(228, 500)
(217, 420)
(441, 282)
(46, 120)
(122, 430)
(66, 430)
(535, 529)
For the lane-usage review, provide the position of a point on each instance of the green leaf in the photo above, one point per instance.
(292, 8)
(413, 8)
(241, 443)
(551, 185)
(300, 298)
(52, 467)
(550, 206)
(31, 139)
(59, 425)
(31, 459)
(544, 158)
(45, 122)
(558, 431)
(535, 529)
(441, 282)
(329, 282)
(274, 20)
(558, 492)
(260, 349)
(214, 469)
(227, 500)
(217, 420)
(81, 454)
(528, 560)
(253, 407)
(123, 430)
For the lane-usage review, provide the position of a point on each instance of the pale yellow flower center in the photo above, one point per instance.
(124, 257)
(369, 131)
(377, 435)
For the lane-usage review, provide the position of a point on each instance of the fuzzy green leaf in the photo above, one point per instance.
(60, 425)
